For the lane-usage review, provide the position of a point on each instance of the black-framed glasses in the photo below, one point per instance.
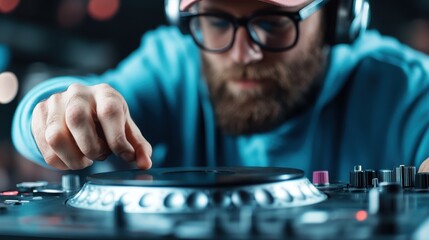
(271, 30)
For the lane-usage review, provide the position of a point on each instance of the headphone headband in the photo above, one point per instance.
(346, 20)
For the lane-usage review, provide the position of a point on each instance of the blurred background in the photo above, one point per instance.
(40, 39)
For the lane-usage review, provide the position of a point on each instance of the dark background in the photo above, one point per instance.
(42, 46)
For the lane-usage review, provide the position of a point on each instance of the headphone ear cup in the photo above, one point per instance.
(346, 20)
(172, 11)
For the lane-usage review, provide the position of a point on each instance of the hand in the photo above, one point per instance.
(424, 167)
(83, 124)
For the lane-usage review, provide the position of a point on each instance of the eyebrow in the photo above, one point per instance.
(218, 10)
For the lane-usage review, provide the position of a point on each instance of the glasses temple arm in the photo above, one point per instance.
(311, 8)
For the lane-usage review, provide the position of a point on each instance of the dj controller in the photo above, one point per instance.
(220, 203)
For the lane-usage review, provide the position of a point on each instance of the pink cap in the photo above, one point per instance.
(320, 177)
(185, 4)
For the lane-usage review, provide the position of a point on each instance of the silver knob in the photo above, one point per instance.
(385, 175)
(70, 182)
(369, 176)
(422, 180)
(357, 177)
(405, 176)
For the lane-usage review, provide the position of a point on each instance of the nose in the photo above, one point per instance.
(245, 51)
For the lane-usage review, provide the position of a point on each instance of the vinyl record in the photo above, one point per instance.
(196, 177)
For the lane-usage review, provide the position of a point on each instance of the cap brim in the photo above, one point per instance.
(185, 4)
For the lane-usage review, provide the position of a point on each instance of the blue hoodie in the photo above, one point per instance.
(373, 110)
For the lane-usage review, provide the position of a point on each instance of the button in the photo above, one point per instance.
(321, 178)
(174, 200)
(221, 199)
(82, 196)
(197, 200)
(263, 197)
(282, 195)
(306, 191)
(241, 198)
(147, 200)
(93, 196)
(126, 199)
(108, 199)
(296, 193)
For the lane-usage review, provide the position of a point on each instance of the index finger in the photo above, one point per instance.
(111, 111)
(142, 147)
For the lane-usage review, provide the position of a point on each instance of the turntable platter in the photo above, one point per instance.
(179, 190)
(197, 177)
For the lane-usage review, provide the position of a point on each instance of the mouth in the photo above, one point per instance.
(247, 84)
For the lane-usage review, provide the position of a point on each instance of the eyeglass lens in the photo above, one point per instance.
(270, 31)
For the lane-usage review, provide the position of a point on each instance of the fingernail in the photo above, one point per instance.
(89, 163)
(127, 156)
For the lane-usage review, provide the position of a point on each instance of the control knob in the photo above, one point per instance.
(422, 180)
(357, 177)
(405, 176)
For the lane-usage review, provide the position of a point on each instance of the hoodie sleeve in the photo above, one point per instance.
(148, 79)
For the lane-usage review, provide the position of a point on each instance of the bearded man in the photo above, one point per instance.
(245, 83)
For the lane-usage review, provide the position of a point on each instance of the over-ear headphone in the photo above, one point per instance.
(172, 11)
(346, 19)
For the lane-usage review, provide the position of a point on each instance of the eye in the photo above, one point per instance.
(217, 22)
(272, 24)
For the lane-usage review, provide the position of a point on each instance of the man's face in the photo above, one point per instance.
(254, 90)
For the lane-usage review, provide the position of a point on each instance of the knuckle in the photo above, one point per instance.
(52, 159)
(104, 86)
(109, 108)
(75, 88)
(76, 115)
(38, 119)
(53, 120)
(92, 152)
(54, 136)
(54, 99)
(40, 109)
(77, 96)
(118, 144)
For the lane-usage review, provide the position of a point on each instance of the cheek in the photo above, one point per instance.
(309, 34)
(214, 61)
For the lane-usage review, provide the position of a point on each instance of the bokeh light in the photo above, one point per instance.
(361, 215)
(103, 10)
(70, 13)
(7, 6)
(8, 87)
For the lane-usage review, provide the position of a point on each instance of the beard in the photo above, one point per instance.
(284, 91)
